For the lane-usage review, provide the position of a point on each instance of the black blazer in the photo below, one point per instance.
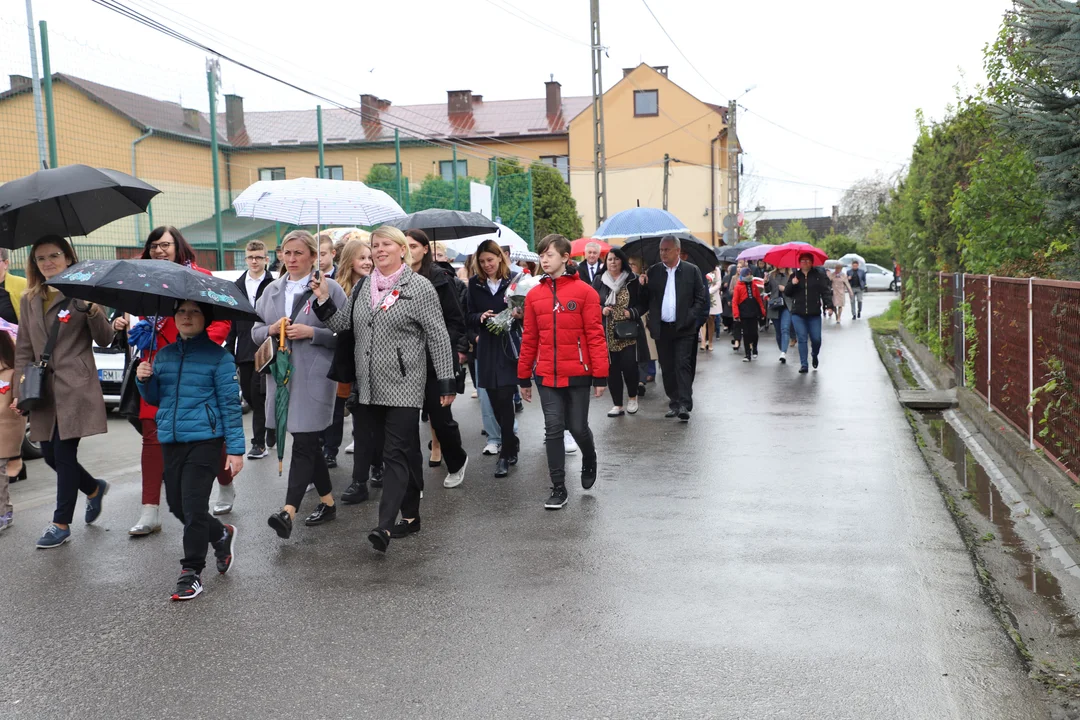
(691, 300)
(583, 271)
(239, 341)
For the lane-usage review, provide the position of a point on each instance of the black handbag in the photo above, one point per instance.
(626, 330)
(32, 382)
(130, 404)
(343, 368)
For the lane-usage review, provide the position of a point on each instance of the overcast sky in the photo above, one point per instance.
(849, 75)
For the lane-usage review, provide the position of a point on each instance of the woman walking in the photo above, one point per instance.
(496, 366)
(779, 312)
(621, 306)
(716, 306)
(288, 303)
(563, 346)
(841, 289)
(646, 345)
(445, 435)
(193, 384)
(12, 431)
(166, 243)
(72, 407)
(748, 309)
(809, 288)
(397, 323)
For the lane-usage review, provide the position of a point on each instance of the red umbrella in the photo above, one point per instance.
(578, 246)
(787, 255)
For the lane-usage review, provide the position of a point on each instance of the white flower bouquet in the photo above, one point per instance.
(501, 323)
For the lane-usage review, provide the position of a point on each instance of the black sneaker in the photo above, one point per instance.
(813, 361)
(357, 492)
(803, 370)
(188, 586)
(376, 476)
(588, 477)
(558, 498)
(257, 452)
(671, 413)
(684, 415)
(224, 550)
(271, 438)
(331, 462)
(404, 528)
(519, 407)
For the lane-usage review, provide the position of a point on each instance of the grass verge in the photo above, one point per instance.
(889, 321)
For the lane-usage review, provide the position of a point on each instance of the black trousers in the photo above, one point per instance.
(624, 367)
(331, 436)
(368, 442)
(253, 388)
(502, 403)
(445, 427)
(308, 465)
(71, 477)
(401, 487)
(566, 408)
(190, 470)
(676, 354)
(749, 334)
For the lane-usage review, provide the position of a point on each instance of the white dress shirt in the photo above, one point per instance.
(293, 288)
(593, 269)
(252, 284)
(494, 285)
(667, 307)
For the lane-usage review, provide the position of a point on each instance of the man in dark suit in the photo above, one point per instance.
(592, 266)
(677, 303)
(253, 386)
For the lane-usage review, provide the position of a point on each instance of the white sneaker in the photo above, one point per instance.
(456, 478)
(149, 522)
(491, 449)
(631, 405)
(225, 498)
(783, 358)
(569, 446)
(351, 448)
(615, 411)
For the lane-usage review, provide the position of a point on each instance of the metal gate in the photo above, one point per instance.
(958, 328)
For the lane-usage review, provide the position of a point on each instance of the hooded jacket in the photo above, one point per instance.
(747, 302)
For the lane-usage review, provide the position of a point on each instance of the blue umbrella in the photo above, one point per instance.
(640, 222)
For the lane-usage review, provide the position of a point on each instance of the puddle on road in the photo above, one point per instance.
(987, 499)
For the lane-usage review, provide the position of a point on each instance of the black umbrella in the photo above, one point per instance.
(446, 224)
(648, 249)
(730, 253)
(68, 201)
(151, 288)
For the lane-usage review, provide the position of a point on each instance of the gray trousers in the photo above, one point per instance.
(856, 305)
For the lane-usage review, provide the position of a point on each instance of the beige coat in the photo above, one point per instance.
(12, 425)
(74, 401)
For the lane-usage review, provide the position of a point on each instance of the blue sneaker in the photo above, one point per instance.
(53, 537)
(93, 505)
(5, 521)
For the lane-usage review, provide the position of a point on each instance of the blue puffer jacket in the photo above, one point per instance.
(197, 394)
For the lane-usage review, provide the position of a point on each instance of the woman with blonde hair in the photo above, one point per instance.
(841, 289)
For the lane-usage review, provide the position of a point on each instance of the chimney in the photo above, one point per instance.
(20, 82)
(459, 102)
(192, 120)
(662, 69)
(627, 71)
(234, 120)
(478, 99)
(554, 97)
(369, 108)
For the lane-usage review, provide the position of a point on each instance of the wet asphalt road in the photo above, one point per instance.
(786, 555)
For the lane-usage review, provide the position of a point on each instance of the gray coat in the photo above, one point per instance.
(311, 397)
(392, 345)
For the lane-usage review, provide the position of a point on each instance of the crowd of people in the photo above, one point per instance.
(385, 329)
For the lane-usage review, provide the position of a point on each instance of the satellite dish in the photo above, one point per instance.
(729, 221)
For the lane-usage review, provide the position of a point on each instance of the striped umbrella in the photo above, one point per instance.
(640, 222)
(314, 201)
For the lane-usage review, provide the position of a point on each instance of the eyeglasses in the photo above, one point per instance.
(255, 257)
(41, 259)
(163, 246)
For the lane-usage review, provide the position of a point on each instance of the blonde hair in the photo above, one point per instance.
(346, 276)
(392, 233)
(305, 237)
(256, 245)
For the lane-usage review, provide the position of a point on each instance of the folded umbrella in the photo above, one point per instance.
(281, 370)
(315, 201)
(68, 201)
(447, 224)
(788, 254)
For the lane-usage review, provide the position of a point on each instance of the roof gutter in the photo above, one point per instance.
(136, 141)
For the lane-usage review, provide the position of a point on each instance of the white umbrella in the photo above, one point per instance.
(313, 201)
(504, 236)
(846, 260)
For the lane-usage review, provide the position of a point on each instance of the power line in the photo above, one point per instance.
(818, 142)
(514, 11)
(679, 50)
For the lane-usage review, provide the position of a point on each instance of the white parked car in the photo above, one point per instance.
(878, 278)
(110, 367)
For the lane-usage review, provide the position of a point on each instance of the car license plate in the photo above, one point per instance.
(111, 375)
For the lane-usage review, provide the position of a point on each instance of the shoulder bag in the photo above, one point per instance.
(264, 356)
(32, 382)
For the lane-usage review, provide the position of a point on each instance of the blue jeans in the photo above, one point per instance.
(782, 326)
(807, 325)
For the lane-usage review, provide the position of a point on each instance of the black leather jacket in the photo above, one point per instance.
(810, 293)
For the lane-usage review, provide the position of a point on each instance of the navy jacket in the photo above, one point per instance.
(197, 394)
(860, 273)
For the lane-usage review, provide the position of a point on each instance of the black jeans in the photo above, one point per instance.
(502, 403)
(368, 442)
(253, 388)
(190, 470)
(308, 465)
(623, 366)
(566, 408)
(71, 477)
(401, 487)
(749, 334)
(444, 426)
(676, 354)
(331, 436)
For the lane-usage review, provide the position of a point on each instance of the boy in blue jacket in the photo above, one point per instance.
(194, 386)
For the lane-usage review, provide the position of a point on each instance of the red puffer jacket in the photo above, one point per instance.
(563, 339)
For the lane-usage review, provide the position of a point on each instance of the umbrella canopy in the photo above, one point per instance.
(648, 249)
(441, 225)
(755, 253)
(68, 201)
(850, 258)
(151, 288)
(731, 252)
(502, 236)
(317, 201)
(281, 369)
(640, 223)
(578, 246)
(787, 255)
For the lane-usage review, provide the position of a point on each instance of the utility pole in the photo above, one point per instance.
(39, 113)
(733, 170)
(213, 77)
(667, 160)
(599, 161)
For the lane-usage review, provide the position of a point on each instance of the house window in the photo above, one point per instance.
(331, 172)
(646, 103)
(560, 163)
(446, 169)
(271, 173)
